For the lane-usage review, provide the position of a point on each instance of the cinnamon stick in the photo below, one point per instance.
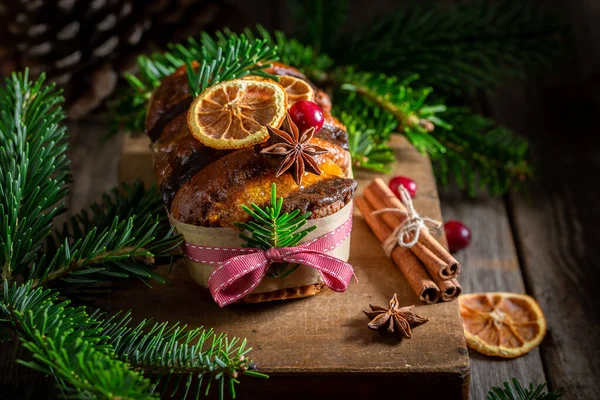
(450, 289)
(428, 249)
(405, 260)
(432, 263)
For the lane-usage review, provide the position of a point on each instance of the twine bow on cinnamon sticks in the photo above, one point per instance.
(410, 228)
(428, 267)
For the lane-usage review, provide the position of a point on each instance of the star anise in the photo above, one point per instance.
(295, 148)
(398, 320)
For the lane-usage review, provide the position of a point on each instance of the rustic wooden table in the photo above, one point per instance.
(544, 244)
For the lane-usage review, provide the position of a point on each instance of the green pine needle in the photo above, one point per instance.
(405, 104)
(126, 248)
(92, 356)
(64, 343)
(108, 241)
(474, 44)
(234, 58)
(368, 133)
(34, 169)
(480, 154)
(221, 57)
(170, 352)
(272, 229)
(269, 228)
(514, 391)
(468, 150)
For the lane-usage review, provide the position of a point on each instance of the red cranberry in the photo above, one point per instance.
(307, 114)
(458, 235)
(409, 185)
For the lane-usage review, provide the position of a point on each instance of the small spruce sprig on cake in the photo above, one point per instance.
(270, 228)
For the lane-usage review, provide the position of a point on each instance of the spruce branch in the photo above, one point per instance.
(209, 60)
(33, 168)
(235, 58)
(92, 355)
(480, 154)
(171, 352)
(472, 150)
(270, 228)
(476, 44)
(64, 342)
(290, 51)
(514, 391)
(127, 248)
(325, 16)
(416, 120)
(118, 237)
(368, 132)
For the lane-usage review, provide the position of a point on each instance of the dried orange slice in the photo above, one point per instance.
(234, 114)
(297, 89)
(502, 324)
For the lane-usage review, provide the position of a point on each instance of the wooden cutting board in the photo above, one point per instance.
(320, 347)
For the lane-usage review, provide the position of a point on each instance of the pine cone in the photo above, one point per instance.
(85, 45)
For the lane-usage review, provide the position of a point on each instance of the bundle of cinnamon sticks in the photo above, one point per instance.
(428, 267)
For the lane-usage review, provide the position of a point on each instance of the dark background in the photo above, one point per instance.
(544, 243)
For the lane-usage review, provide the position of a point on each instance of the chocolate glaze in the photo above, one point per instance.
(215, 188)
(167, 116)
(190, 165)
(178, 156)
(172, 90)
(321, 195)
(333, 132)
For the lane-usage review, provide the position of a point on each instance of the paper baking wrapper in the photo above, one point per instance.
(229, 237)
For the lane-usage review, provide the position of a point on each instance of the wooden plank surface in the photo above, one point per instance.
(556, 223)
(556, 227)
(490, 264)
(306, 342)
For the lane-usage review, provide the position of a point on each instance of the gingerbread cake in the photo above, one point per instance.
(205, 185)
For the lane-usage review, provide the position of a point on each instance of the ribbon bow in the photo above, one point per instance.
(407, 233)
(241, 270)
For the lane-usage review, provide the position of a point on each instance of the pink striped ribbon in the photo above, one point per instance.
(242, 269)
